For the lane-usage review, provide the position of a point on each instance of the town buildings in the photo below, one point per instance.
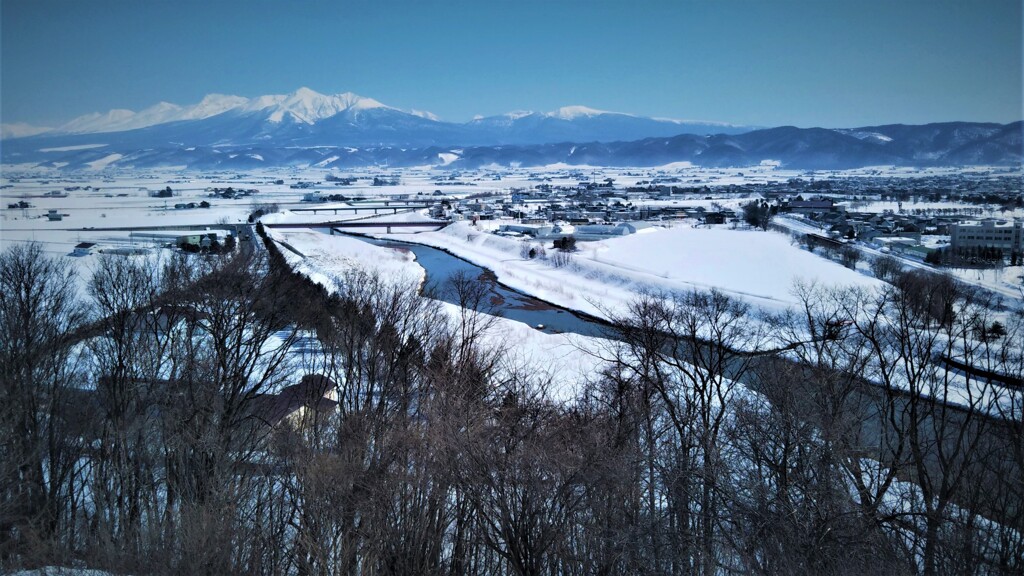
(1006, 235)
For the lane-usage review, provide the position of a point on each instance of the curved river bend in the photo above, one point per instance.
(441, 267)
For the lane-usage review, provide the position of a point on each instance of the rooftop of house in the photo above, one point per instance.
(990, 224)
(313, 391)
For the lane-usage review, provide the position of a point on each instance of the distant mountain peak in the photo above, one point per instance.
(305, 92)
(309, 106)
(517, 114)
(425, 114)
(112, 120)
(574, 112)
(213, 104)
(305, 105)
(306, 117)
(357, 102)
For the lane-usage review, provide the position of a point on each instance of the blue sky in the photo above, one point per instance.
(800, 62)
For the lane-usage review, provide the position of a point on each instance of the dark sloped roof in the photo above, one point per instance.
(308, 393)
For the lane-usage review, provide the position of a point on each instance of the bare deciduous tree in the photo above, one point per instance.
(39, 450)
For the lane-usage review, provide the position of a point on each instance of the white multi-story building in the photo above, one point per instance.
(1008, 236)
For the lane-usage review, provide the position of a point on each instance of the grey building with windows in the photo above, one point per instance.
(1008, 236)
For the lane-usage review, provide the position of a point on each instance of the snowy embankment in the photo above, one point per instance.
(325, 259)
(602, 278)
(565, 360)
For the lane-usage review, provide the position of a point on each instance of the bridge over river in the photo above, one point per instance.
(354, 225)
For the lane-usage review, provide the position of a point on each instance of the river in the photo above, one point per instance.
(867, 398)
(441, 267)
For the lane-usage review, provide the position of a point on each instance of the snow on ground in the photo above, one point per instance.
(325, 258)
(1007, 281)
(402, 217)
(564, 363)
(987, 210)
(562, 358)
(761, 267)
(105, 207)
(326, 213)
(72, 148)
(603, 277)
(105, 161)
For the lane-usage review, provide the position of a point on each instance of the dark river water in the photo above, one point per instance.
(441, 267)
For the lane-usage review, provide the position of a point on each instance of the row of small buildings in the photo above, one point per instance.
(583, 232)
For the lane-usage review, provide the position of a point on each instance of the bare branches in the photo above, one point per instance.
(236, 418)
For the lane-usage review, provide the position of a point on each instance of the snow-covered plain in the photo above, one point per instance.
(603, 277)
(117, 199)
(108, 205)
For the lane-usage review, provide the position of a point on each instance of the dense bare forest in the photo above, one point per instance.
(153, 423)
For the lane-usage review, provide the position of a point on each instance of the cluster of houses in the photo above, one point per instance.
(53, 214)
(231, 192)
(191, 205)
(903, 232)
(598, 209)
(864, 226)
(183, 238)
(583, 232)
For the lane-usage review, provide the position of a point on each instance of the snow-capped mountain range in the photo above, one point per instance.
(350, 119)
(304, 106)
(307, 128)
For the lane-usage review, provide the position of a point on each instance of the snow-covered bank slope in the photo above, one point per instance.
(326, 259)
(566, 361)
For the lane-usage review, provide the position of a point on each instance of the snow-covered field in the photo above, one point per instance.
(105, 207)
(761, 267)
(603, 277)
(1008, 280)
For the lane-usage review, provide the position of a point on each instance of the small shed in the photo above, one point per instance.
(83, 248)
